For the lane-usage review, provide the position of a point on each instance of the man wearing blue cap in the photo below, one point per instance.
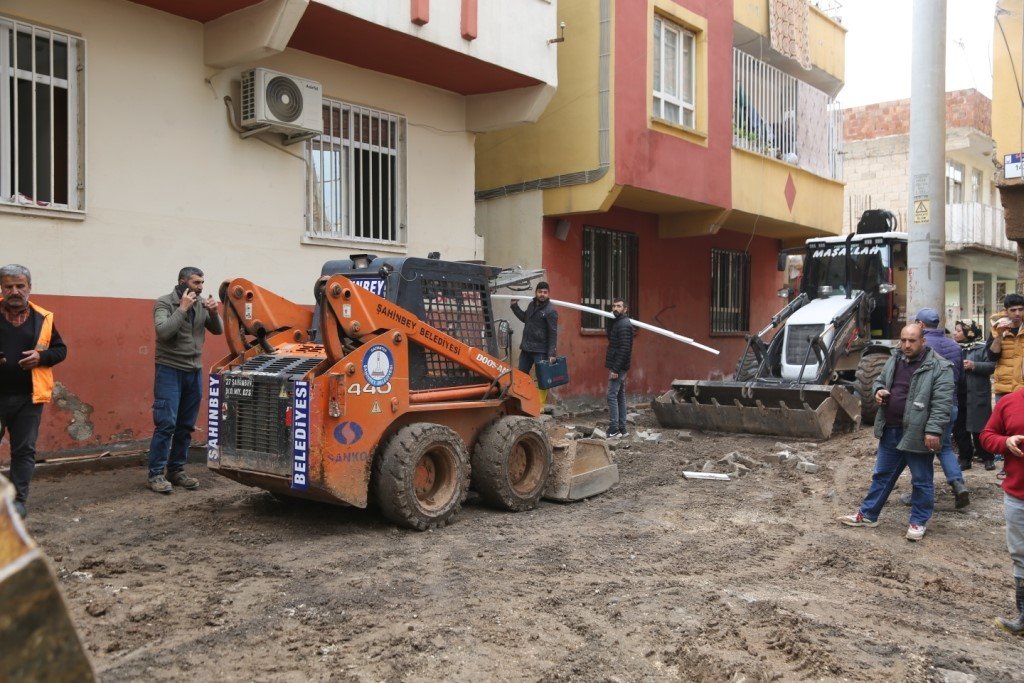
(935, 337)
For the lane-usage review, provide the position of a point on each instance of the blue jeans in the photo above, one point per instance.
(617, 403)
(947, 458)
(176, 397)
(527, 359)
(1013, 511)
(889, 465)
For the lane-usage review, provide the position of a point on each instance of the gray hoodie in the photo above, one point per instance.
(179, 341)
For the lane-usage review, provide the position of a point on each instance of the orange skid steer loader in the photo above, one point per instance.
(391, 389)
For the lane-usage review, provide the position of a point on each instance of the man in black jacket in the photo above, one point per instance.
(540, 335)
(617, 359)
(29, 347)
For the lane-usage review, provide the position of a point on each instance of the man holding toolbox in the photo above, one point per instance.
(540, 334)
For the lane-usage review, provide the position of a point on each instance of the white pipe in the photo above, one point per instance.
(606, 314)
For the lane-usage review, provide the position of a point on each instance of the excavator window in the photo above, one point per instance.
(461, 310)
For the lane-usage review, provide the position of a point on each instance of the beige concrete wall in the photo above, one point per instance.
(510, 34)
(169, 183)
(877, 173)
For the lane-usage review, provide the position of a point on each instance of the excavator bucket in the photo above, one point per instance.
(39, 640)
(810, 411)
(580, 469)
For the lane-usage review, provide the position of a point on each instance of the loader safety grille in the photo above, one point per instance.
(461, 310)
(280, 365)
(259, 419)
(798, 341)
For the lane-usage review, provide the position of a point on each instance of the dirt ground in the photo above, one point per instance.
(661, 578)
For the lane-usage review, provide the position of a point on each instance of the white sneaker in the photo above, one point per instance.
(915, 532)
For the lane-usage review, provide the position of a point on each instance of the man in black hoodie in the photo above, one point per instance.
(617, 358)
(540, 335)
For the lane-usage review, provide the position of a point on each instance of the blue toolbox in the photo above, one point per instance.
(550, 375)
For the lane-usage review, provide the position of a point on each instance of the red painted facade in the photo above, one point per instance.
(108, 375)
(651, 159)
(674, 284)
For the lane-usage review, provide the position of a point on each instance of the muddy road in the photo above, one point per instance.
(661, 578)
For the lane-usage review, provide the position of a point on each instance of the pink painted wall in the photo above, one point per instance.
(661, 162)
(675, 291)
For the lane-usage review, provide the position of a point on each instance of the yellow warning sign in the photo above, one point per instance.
(922, 210)
(376, 407)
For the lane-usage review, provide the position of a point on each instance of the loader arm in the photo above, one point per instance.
(348, 310)
(253, 312)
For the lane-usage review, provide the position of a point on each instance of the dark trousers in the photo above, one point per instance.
(176, 397)
(20, 417)
(527, 359)
(968, 443)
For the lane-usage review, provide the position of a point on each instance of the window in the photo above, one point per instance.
(675, 73)
(954, 182)
(356, 175)
(609, 272)
(41, 117)
(975, 185)
(730, 292)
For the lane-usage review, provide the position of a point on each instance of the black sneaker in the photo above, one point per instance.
(613, 434)
(19, 507)
(989, 465)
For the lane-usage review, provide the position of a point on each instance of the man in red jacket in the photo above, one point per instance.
(1004, 434)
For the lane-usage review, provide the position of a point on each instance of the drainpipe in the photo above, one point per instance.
(603, 132)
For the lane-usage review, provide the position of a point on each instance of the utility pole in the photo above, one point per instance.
(926, 253)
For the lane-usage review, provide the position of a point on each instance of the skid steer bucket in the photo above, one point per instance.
(810, 411)
(580, 469)
(39, 640)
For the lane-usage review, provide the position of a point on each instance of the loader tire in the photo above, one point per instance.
(511, 463)
(868, 370)
(421, 477)
(746, 368)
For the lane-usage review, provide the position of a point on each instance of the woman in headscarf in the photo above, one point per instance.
(975, 398)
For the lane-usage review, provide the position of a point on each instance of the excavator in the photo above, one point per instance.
(392, 390)
(809, 371)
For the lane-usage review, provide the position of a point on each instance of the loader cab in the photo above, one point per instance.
(450, 296)
(873, 263)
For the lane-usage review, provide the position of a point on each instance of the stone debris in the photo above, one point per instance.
(596, 433)
(808, 467)
(683, 435)
(649, 435)
(631, 418)
(950, 676)
(709, 466)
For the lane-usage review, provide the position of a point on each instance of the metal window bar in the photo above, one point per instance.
(50, 174)
(779, 116)
(354, 182)
(609, 271)
(730, 292)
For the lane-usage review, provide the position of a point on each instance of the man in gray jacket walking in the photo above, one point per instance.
(182, 319)
(915, 392)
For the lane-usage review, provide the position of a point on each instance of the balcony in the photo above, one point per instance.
(977, 226)
(781, 117)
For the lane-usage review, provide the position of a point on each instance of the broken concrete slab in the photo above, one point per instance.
(596, 433)
(808, 467)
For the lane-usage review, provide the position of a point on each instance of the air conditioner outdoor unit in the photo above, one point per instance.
(277, 102)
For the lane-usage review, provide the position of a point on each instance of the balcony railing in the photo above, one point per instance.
(782, 117)
(831, 8)
(973, 223)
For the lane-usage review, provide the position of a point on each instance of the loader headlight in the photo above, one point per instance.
(785, 292)
(886, 288)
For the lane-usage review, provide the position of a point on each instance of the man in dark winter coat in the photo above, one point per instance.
(936, 338)
(975, 399)
(540, 335)
(617, 359)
